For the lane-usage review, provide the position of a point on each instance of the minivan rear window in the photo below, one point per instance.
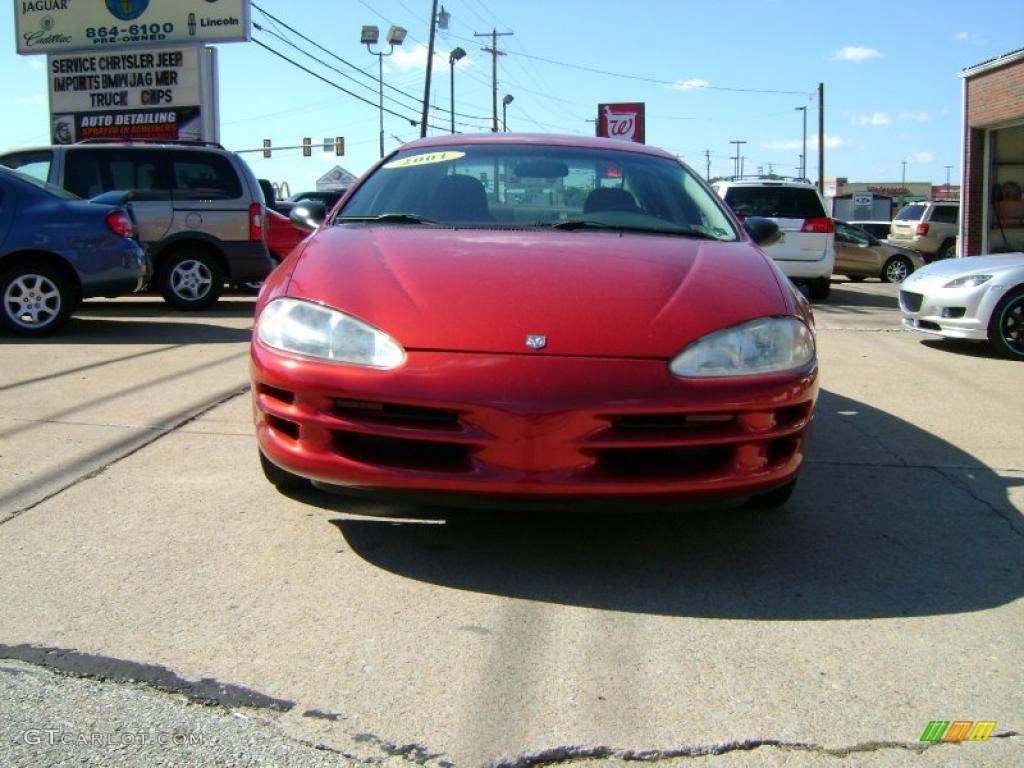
(199, 176)
(775, 202)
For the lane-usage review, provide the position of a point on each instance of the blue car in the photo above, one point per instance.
(57, 249)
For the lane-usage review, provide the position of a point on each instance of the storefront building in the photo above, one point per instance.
(992, 215)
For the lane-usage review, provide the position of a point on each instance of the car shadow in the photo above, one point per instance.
(887, 521)
(843, 296)
(147, 322)
(982, 350)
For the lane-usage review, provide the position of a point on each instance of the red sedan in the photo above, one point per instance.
(506, 317)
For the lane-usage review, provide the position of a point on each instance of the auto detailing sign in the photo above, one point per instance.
(127, 93)
(48, 26)
(624, 122)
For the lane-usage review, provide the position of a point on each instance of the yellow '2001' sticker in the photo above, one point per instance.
(427, 159)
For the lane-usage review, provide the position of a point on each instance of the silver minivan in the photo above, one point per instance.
(198, 207)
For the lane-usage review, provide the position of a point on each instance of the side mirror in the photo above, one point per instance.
(308, 215)
(762, 231)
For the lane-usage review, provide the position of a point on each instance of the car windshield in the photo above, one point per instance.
(530, 186)
(911, 213)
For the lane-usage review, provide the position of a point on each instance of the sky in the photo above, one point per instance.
(708, 73)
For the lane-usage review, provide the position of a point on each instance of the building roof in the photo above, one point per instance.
(998, 61)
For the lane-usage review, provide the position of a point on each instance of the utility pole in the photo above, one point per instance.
(707, 157)
(430, 62)
(495, 53)
(948, 168)
(736, 166)
(821, 138)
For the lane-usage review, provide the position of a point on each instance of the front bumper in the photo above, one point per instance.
(953, 313)
(530, 427)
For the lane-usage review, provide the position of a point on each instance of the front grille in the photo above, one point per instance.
(911, 302)
(676, 463)
(402, 453)
(395, 414)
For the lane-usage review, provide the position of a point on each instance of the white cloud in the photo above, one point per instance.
(972, 38)
(409, 59)
(874, 119)
(915, 117)
(831, 142)
(921, 157)
(855, 53)
(687, 85)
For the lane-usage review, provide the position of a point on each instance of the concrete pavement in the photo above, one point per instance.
(141, 542)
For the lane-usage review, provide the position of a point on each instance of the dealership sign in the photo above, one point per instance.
(624, 122)
(154, 93)
(48, 26)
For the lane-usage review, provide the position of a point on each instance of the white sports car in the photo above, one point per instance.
(977, 297)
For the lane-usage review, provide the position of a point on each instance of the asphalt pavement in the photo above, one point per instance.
(163, 605)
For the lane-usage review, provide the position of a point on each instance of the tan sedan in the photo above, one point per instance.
(860, 255)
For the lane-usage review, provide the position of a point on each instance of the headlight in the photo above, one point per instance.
(766, 345)
(970, 281)
(317, 331)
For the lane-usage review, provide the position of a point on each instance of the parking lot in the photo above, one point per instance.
(140, 542)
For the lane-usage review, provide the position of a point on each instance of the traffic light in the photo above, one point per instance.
(307, 147)
(339, 146)
(266, 147)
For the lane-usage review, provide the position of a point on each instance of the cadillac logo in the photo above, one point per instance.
(536, 342)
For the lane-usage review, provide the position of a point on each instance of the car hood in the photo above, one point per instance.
(972, 265)
(587, 293)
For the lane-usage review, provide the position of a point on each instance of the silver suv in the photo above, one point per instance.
(806, 251)
(928, 227)
(199, 208)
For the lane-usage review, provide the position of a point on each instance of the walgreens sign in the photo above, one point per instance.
(624, 122)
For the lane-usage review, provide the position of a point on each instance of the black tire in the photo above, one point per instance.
(280, 478)
(1006, 328)
(772, 499)
(191, 279)
(253, 286)
(819, 289)
(37, 299)
(896, 269)
(945, 250)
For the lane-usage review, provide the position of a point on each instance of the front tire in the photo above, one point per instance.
(896, 270)
(772, 499)
(37, 300)
(1006, 328)
(191, 279)
(280, 478)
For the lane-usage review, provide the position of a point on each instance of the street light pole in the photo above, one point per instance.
(453, 56)
(736, 166)
(504, 111)
(803, 156)
(370, 35)
(903, 185)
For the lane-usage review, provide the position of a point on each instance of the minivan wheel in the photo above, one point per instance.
(191, 279)
(36, 299)
(819, 289)
(896, 270)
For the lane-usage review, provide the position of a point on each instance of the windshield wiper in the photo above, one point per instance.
(387, 218)
(571, 224)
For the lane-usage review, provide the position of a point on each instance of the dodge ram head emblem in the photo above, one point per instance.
(536, 342)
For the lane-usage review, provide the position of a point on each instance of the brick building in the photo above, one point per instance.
(992, 214)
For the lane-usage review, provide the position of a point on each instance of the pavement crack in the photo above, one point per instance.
(178, 421)
(1011, 517)
(578, 753)
(105, 669)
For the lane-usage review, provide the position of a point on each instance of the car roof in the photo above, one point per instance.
(542, 139)
(803, 183)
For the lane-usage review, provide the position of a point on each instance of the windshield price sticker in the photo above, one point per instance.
(427, 159)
